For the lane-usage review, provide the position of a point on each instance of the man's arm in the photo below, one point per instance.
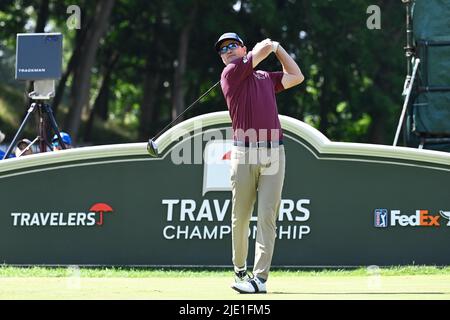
(261, 51)
(292, 73)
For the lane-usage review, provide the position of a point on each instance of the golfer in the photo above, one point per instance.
(258, 159)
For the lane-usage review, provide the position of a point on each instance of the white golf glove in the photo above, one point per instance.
(275, 46)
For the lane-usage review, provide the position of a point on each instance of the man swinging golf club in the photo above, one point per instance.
(250, 97)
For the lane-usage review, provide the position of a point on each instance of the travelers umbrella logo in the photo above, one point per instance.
(101, 208)
(62, 219)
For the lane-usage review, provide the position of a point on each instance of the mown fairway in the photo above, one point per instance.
(61, 283)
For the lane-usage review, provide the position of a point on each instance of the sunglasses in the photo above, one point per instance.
(228, 47)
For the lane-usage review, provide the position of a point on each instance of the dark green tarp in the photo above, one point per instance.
(431, 105)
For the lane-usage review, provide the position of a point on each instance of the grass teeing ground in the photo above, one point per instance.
(126, 283)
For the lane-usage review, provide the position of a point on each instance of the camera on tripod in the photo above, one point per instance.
(39, 59)
(38, 56)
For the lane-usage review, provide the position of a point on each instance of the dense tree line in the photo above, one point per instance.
(142, 62)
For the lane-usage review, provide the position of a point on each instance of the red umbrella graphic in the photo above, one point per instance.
(101, 207)
(227, 156)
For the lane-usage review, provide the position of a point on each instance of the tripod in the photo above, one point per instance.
(43, 109)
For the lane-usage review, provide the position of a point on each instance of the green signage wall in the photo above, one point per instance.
(344, 204)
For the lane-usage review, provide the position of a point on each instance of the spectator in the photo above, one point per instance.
(65, 138)
(21, 146)
(2, 138)
(2, 153)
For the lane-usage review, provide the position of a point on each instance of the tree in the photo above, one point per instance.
(153, 57)
(82, 76)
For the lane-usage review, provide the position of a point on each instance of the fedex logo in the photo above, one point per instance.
(422, 218)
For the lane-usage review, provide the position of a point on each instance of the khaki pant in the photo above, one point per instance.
(256, 170)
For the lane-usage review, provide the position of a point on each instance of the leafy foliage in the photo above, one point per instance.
(354, 75)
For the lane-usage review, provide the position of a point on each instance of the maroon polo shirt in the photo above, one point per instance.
(250, 96)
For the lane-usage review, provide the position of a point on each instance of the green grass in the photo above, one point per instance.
(412, 282)
(119, 272)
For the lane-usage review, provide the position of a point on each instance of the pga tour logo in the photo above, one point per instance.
(422, 218)
(381, 218)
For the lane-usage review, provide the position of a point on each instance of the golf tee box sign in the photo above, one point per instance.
(343, 204)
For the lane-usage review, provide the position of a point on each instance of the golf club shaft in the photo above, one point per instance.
(185, 110)
(405, 104)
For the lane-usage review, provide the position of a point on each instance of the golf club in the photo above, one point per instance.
(152, 148)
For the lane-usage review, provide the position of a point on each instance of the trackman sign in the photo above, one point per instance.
(92, 218)
(188, 219)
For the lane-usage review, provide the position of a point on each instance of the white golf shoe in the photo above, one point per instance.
(248, 285)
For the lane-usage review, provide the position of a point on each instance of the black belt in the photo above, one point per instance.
(259, 144)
